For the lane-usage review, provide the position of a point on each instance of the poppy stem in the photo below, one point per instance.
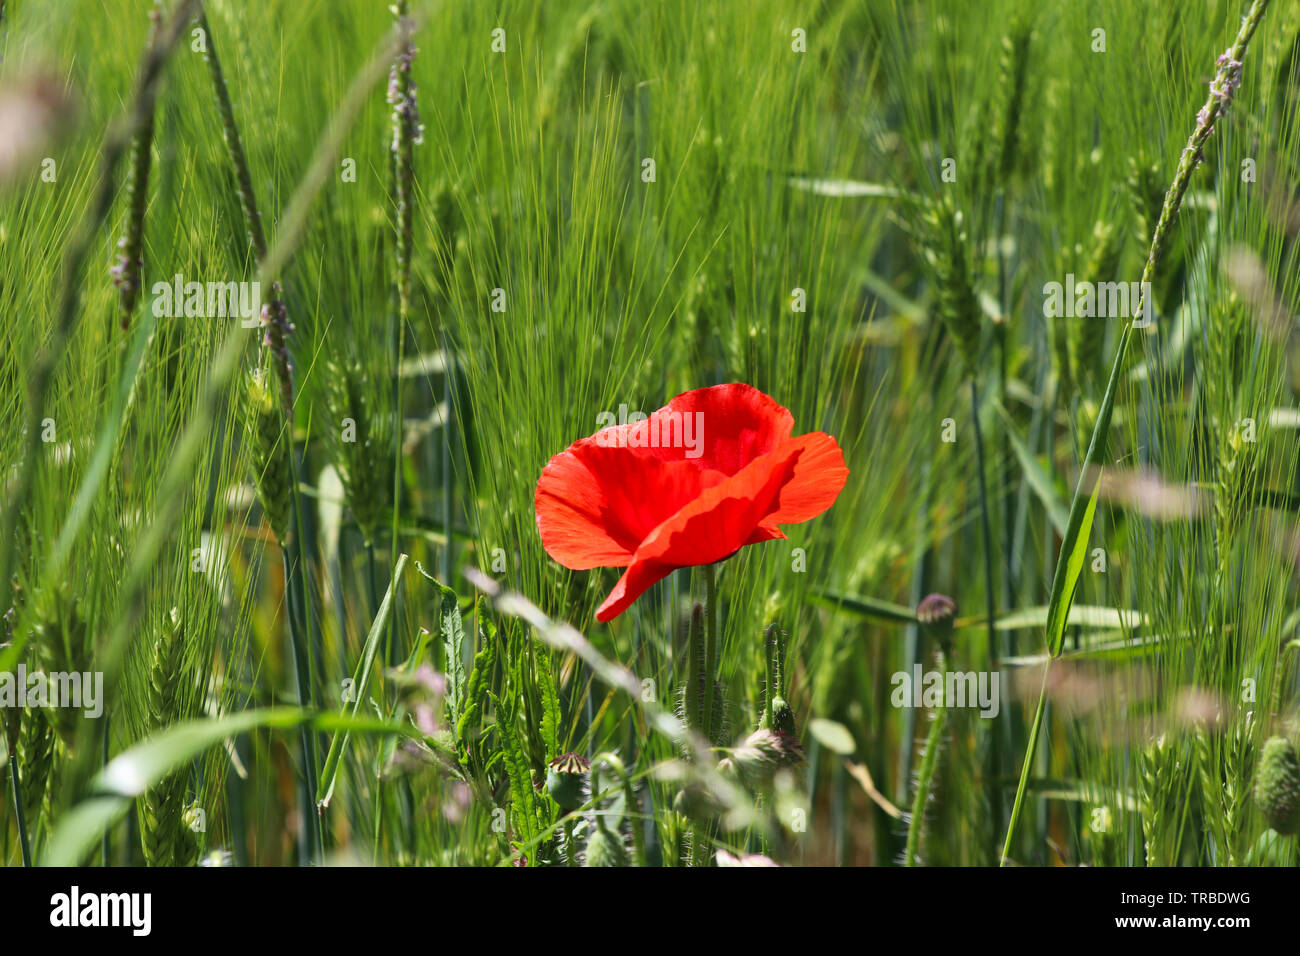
(695, 682)
(570, 850)
(925, 779)
(710, 645)
(694, 666)
(770, 689)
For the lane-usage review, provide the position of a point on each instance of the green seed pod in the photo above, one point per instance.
(566, 779)
(1277, 786)
(778, 714)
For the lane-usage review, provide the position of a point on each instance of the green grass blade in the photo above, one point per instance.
(1074, 546)
(360, 681)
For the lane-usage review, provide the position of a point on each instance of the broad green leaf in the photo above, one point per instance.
(551, 716)
(452, 628)
(522, 795)
(1065, 584)
(479, 677)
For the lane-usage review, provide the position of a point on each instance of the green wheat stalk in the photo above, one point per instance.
(1083, 507)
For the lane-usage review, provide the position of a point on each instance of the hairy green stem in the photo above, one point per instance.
(697, 654)
(694, 666)
(925, 777)
(710, 644)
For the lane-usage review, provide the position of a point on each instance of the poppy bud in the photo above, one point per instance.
(763, 753)
(566, 777)
(782, 717)
(697, 801)
(936, 613)
(605, 847)
(1277, 785)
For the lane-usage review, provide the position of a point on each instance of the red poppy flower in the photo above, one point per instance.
(712, 471)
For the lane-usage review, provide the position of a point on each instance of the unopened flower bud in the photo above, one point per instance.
(1277, 785)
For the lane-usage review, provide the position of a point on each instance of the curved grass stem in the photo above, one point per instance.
(1031, 751)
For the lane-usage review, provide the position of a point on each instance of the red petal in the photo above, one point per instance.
(739, 424)
(595, 505)
(819, 477)
(720, 428)
(719, 522)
